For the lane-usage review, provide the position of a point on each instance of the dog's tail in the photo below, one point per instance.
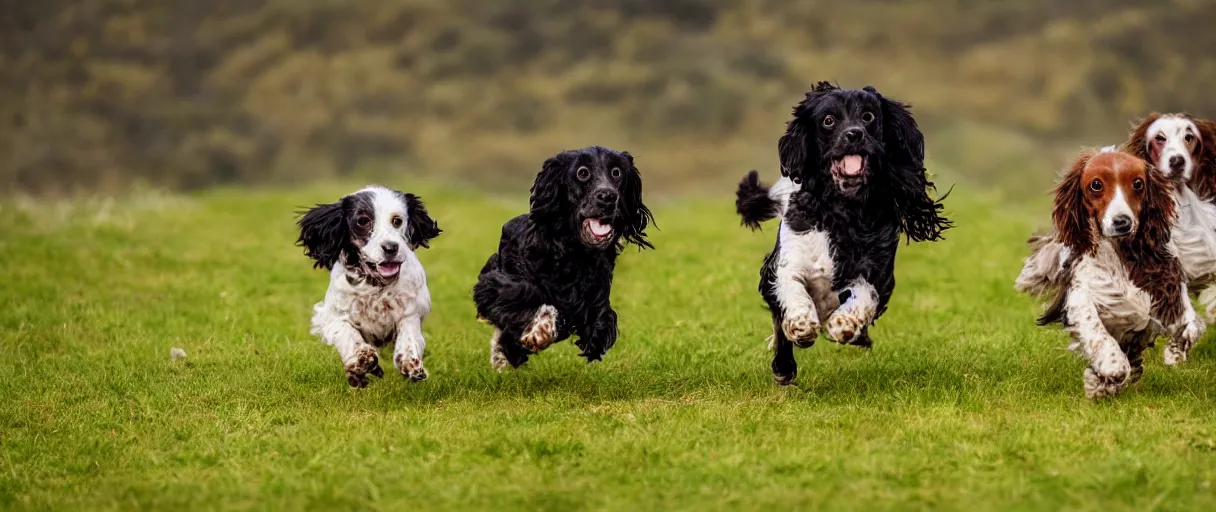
(756, 203)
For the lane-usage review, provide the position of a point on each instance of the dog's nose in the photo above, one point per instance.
(853, 134)
(1122, 224)
(390, 248)
(606, 196)
(1176, 163)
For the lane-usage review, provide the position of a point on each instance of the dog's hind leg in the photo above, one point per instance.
(597, 338)
(785, 367)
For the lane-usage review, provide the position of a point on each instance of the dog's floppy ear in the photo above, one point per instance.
(635, 215)
(799, 147)
(920, 216)
(323, 234)
(1157, 214)
(1137, 142)
(1203, 178)
(420, 228)
(1069, 214)
(550, 194)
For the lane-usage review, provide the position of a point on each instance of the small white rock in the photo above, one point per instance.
(176, 353)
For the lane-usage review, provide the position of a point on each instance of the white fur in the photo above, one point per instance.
(851, 318)
(1105, 309)
(353, 316)
(1175, 130)
(1118, 207)
(804, 263)
(780, 192)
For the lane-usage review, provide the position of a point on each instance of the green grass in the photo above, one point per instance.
(962, 404)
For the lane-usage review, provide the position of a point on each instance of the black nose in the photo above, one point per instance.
(1122, 224)
(606, 196)
(390, 248)
(853, 134)
(1176, 163)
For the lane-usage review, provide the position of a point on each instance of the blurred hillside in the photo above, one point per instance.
(97, 94)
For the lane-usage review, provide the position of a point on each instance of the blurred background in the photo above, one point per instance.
(97, 96)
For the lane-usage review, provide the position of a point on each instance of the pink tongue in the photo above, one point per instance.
(389, 269)
(599, 228)
(851, 164)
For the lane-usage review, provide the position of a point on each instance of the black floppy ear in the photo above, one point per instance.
(420, 228)
(920, 216)
(635, 216)
(798, 147)
(323, 234)
(550, 196)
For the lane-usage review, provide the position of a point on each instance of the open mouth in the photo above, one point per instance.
(388, 269)
(597, 231)
(850, 166)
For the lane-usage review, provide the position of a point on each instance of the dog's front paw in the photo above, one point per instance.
(1097, 387)
(364, 362)
(410, 367)
(1107, 374)
(844, 327)
(801, 327)
(1179, 348)
(542, 330)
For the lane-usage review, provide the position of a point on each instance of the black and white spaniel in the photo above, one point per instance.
(1121, 284)
(853, 181)
(377, 288)
(552, 275)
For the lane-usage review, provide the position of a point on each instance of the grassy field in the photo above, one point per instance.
(962, 404)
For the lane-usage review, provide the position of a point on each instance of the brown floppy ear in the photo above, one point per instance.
(1069, 213)
(1203, 177)
(1137, 144)
(1157, 213)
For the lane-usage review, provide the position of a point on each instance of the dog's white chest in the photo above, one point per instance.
(1122, 306)
(1194, 234)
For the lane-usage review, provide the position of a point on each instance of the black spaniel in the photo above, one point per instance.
(552, 275)
(853, 181)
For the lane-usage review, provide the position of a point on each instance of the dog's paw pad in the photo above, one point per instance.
(410, 367)
(542, 330)
(844, 328)
(1098, 387)
(801, 327)
(1174, 354)
(364, 362)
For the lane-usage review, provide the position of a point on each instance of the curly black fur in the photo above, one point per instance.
(863, 214)
(548, 256)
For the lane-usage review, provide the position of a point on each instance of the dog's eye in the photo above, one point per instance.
(363, 221)
(1189, 138)
(397, 222)
(1138, 184)
(1096, 185)
(583, 174)
(829, 121)
(867, 117)
(1160, 137)
(616, 173)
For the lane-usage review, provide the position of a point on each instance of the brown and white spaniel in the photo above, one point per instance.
(1182, 149)
(1120, 283)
